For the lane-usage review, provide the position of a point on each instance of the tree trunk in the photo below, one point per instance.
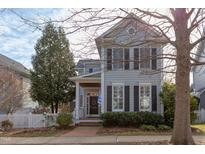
(56, 107)
(52, 108)
(182, 130)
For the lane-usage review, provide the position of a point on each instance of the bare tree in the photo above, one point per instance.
(11, 90)
(180, 29)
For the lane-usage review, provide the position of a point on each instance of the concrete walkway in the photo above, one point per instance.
(91, 140)
(82, 131)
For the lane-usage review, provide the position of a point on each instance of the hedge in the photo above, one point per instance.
(131, 119)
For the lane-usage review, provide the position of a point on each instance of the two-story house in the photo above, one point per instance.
(198, 85)
(22, 75)
(126, 77)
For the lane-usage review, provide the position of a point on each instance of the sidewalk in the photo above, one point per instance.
(91, 140)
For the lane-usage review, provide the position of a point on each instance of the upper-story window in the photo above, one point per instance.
(118, 59)
(90, 70)
(145, 58)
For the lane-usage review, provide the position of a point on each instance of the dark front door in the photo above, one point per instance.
(93, 105)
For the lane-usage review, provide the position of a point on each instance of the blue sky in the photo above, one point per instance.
(17, 39)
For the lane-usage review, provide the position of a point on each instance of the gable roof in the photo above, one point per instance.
(14, 65)
(130, 19)
(82, 62)
(199, 53)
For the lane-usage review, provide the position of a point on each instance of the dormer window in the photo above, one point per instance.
(131, 30)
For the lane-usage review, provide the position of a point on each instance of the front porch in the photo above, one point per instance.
(87, 103)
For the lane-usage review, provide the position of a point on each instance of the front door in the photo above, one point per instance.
(93, 105)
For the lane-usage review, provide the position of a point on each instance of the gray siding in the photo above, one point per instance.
(199, 78)
(202, 100)
(131, 78)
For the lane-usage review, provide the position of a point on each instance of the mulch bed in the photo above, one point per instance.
(130, 131)
(34, 132)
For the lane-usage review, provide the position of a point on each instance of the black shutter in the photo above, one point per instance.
(154, 58)
(109, 59)
(136, 58)
(136, 98)
(154, 98)
(127, 98)
(126, 59)
(109, 98)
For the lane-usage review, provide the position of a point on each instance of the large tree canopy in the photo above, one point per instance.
(53, 64)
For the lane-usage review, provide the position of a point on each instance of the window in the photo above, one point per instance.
(126, 59)
(117, 58)
(109, 59)
(154, 58)
(131, 31)
(90, 70)
(136, 58)
(145, 97)
(145, 58)
(117, 97)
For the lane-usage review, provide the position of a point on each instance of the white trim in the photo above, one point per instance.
(131, 27)
(118, 84)
(150, 85)
(87, 101)
(77, 101)
(102, 80)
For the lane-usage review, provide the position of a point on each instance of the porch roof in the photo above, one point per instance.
(94, 77)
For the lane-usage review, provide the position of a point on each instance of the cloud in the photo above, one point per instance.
(17, 40)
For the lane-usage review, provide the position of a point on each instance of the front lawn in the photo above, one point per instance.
(39, 132)
(200, 128)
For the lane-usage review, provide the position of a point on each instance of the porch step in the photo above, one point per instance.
(90, 122)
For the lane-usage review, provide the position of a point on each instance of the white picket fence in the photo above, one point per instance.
(30, 120)
(200, 116)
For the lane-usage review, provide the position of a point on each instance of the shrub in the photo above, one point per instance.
(149, 118)
(7, 125)
(168, 98)
(148, 127)
(132, 119)
(163, 127)
(64, 120)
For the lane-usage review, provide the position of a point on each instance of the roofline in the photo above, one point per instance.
(86, 80)
(85, 75)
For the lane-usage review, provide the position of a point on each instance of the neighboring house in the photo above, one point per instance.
(198, 85)
(22, 73)
(127, 79)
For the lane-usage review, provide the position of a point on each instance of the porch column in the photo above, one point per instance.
(77, 100)
(102, 80)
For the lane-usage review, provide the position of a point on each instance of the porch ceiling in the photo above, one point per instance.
(90, 84)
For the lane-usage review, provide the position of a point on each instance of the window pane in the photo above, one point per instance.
(145, 98)
(136, 58)
(109, 59)
(144, 58)
(118, 97)
(126, 59)
(118, 58)
(154, 58)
